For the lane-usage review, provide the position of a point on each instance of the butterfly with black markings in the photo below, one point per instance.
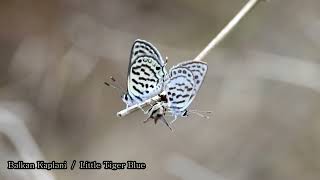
(180, 88)
(146, 73)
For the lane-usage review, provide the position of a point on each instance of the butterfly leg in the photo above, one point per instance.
(145, 112)
(201, 115)
(175, 118)
(151, 112)
(148, 111)
(165, 122)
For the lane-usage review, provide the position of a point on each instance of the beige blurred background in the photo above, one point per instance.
(263, 86)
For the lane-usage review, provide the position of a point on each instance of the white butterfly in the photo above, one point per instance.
(146, 72)
(180, 88)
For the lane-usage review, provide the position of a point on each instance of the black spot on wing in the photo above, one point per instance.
(138, 52)
(186, 95)
(128, 95)
(181, 90)
(197, 70)
(180, 84)
(147, 79)
(148, 48)
(182, 77)
(147, 74)
(146, 66)
(183, 96)
(138, 98)
(175, 107)
(179, 102)
(135, 72)
(135, 81)
(136, 89)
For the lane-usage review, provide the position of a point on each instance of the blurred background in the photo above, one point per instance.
(263, 86)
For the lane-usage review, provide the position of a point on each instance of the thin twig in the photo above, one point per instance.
(226, 30)
(136, 107)
(215, 41)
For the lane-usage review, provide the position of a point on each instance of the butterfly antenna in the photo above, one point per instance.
(199, 113)
(117, 81)
(115, 86)
(175, 118)
(118, 84)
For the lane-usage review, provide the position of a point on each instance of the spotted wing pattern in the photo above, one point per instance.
(144, 48)
(146, 72)
(146, 78)
(199, 71)
(184, 81)
(179, 89)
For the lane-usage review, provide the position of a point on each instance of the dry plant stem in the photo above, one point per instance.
(136, 107)
(226, 30)
(215, 41)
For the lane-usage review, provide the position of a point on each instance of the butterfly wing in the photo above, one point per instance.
(179, 89)
(144, 48)
(146, 72)
(184, 82)
(199, 71)
(145, 79)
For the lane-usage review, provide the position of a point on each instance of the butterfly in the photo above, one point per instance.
(146, 73)
(180, 88)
